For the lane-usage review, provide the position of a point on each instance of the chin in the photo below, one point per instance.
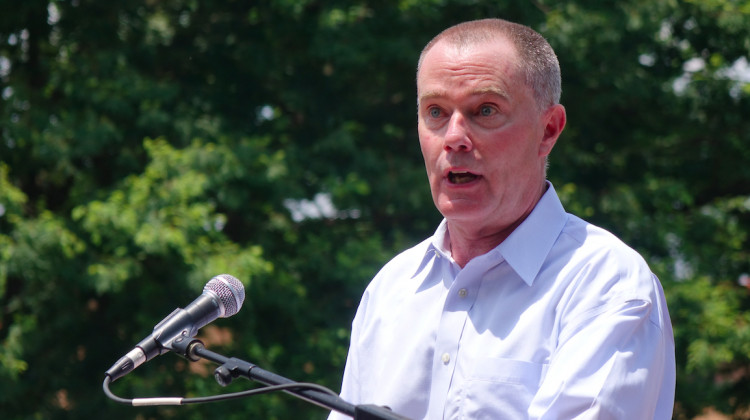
(461, 211)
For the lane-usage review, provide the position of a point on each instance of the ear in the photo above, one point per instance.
(554, 121)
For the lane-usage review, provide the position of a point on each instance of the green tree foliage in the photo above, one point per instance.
(146, 146)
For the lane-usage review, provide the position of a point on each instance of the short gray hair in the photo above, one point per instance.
(538, 62)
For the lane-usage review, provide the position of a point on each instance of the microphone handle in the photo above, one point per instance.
(181, 323)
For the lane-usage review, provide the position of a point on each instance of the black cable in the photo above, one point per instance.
(109, 393)
(213, 398)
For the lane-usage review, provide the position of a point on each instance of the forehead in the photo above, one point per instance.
(489, 65)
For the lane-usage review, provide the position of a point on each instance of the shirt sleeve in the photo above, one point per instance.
(349, 385)
(612, 363)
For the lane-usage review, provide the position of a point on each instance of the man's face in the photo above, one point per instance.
(483, 138)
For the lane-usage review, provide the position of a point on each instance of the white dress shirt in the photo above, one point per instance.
(560, 321)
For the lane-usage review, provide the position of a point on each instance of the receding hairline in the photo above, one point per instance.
(470, 33)
(536, 58)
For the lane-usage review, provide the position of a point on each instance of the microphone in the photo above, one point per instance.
(222, 297)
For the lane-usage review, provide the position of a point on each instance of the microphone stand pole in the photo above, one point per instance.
(230, 368)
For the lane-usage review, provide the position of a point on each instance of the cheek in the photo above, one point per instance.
(430, 148)
(518, 147)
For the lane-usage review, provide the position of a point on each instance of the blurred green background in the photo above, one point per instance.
(148, 145)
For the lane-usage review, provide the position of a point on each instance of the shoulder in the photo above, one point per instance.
(397, 272)
(603, 271)
(590, 244)
(396, 281)
(401, 267)
(588, 233)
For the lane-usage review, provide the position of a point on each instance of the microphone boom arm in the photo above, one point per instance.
(230, 368)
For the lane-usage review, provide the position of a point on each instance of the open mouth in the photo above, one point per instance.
(461, 177)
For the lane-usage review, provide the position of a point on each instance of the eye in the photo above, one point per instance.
(486, 110)
(434, 112)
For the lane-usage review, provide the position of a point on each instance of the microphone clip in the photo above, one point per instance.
(231, 369)
(186, 347)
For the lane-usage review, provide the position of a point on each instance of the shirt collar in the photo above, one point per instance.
(437, 246)
(527, 246)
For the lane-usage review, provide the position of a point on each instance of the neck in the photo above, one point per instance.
(466, 246)
(468, 242)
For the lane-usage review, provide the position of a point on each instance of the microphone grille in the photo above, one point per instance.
(231, 293)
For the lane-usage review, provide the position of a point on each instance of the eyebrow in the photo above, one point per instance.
(432, 94)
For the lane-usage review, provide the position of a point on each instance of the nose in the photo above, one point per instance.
(457, 134)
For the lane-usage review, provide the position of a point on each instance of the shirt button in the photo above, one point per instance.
(462, 293)
(446, 358)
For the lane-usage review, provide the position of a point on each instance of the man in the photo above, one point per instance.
(513, 309)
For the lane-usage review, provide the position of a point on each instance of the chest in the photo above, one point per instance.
(463, 337)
